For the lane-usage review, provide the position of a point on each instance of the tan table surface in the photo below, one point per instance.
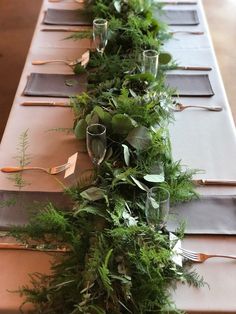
(201, 139)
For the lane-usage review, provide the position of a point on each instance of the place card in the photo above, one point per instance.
(72, 161)
(190, 85)
(178, 17)
(67, 17)
(55, 85)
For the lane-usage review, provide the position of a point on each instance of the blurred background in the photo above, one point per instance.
(16, 31)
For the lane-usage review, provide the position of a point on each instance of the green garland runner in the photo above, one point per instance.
(117, 263)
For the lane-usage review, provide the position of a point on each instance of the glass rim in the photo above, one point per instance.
(100, 22)
(151, 191)
(153, 53)
(96, 124)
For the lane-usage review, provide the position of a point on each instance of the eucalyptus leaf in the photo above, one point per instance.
(104, 116)
(117, 5)
(93, 194)
(139, 138)
(140, 184)
(80, 129)
(157, 178)
(164, 58)
(126, 154)
(121, 124)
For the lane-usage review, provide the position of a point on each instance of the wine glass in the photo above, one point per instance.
(100, 34)
(150, 62)
(96, 143)
(157, 207)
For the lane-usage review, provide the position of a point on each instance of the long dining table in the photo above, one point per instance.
(200, 139)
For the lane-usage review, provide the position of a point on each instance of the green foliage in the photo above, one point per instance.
(117, 263)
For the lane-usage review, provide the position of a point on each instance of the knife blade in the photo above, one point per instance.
(194, 68)
(46, 103)
(208, 182)
(64, 29)
(176, 2)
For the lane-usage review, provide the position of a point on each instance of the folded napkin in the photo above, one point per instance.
(192, 85)
(208, 215)
(178, 17)
(67, 17)
(55, 85)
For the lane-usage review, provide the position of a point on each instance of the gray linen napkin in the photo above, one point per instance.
(208, 215)
(26, 205)
(67, 17)
(178, 17)
(55, 85)
(194, 85)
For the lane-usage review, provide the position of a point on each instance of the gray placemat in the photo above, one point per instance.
(55, 85)
(67, 17)
(178, 17)
(194, 85)
(19, 206)
(208, 215)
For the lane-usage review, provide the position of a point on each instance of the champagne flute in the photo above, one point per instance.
(100, 34)
(157, 207)
(150, 62)
(96, 143)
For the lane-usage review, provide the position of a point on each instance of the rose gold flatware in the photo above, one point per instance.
(46, 103)
(69, 63)
(214, 182)
(78, 1)
(52, 170)
(181, 107)
(194, 68)
(42, 248)
(83, 60)
(186, 32)
(177, 2)
(198, 257)
(66, 29)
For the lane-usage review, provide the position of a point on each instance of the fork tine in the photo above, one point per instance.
(187, 251)
(62, 166)
(189, 257)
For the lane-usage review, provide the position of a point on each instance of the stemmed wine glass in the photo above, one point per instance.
(100, 34)
(96, 143)
(150, 62)
(157, 207)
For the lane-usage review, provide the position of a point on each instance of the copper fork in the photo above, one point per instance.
(201, 257)
(52, 170)
(181, 107)
(69, 63)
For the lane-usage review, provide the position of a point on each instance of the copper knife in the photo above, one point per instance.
(46, 103)
(18, 246)
(194, 68)
(208, 182)
(66, 29)
(176, 2)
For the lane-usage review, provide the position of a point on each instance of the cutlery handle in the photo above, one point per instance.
(211, 108)
(215, 182)
(220, 255)
(63, 29)
(17, 246)
(41, 62)
(46, 103)
(194, 68)
(18, 169)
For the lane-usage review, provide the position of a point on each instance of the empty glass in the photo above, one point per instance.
(150, 62)
(96, 143)
(157, 207)
(100, 34)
